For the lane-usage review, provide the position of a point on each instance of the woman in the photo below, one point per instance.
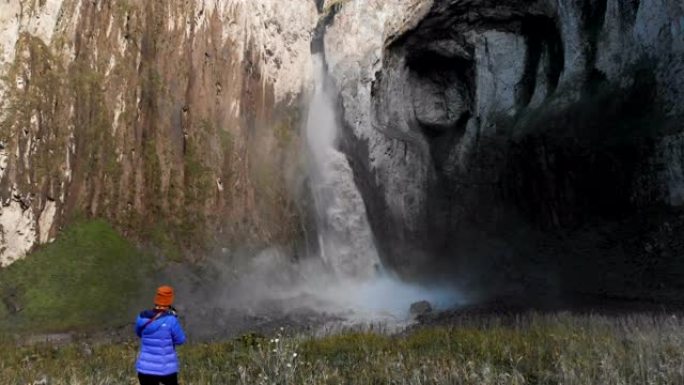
(160, 332)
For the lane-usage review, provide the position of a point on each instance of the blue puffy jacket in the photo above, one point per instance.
(158, 343)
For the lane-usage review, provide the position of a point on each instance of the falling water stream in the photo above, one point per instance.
(347, 247)
(345, 237)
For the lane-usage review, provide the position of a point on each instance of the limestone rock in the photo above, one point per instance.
(150, 115)
(483, 132)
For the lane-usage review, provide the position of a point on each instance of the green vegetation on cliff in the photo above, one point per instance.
(90, 276)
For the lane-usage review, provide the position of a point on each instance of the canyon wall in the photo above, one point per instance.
(526, 149)
(523, 148)
(178, 121)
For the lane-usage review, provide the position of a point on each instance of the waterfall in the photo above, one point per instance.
(347, 278)
(346, 241)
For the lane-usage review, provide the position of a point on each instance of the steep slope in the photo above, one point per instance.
(175, 120)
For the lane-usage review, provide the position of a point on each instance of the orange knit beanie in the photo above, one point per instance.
(164, 296)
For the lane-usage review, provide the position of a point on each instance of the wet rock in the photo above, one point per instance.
(420, 308)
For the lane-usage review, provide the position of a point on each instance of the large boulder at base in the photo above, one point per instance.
(420, 308)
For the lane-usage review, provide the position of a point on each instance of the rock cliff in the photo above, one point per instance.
(178, 121)
(521, 146)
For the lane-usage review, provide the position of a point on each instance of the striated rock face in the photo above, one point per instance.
(176, 120)
(522, 146)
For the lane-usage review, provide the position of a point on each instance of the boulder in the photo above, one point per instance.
(420, 308)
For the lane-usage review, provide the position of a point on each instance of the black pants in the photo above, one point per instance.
(146, 379)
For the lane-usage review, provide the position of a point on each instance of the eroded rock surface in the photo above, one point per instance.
(178, 121)
(522, 146)
(517, 147)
